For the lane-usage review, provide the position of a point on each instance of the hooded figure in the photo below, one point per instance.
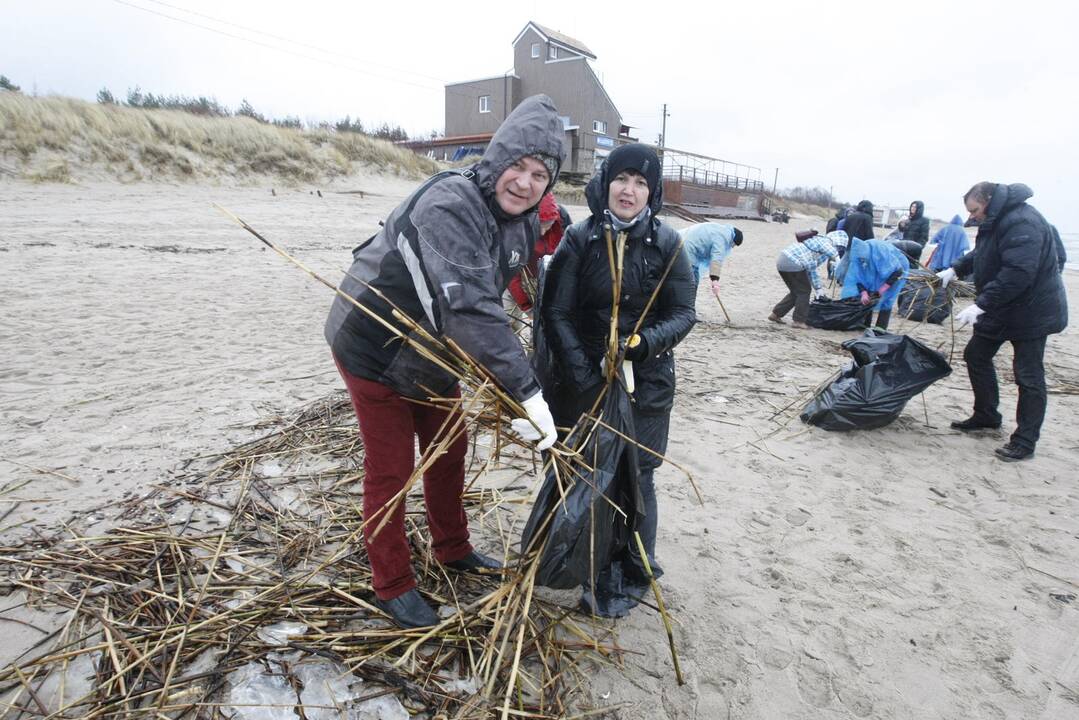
(626, 193)
(553, 220)
(1017, 261)
(443, 257)
(707, 245)
(918, 229)
(860, 222)
(952, 244)
(874, 266)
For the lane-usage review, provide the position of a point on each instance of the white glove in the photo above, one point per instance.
(821, 295)
(969, 316)
(946, 276)
(540, 416)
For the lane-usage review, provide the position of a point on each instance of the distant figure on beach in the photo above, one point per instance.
(874, 266)
(1017, 261)
(859, 224)
(553, 221)
(444, 257)
(899, 231)
(797, 266)
(706, 246)
(952, 243)
(627, 193)
(833, 222)
(917, 225)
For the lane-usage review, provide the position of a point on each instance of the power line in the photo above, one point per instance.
(289, 51)
(293, 42)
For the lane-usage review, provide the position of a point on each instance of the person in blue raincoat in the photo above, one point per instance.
(707, 245)
(874, 266)
(952, 244)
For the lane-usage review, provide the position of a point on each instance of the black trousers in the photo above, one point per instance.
(798, 298)
(1029, 376)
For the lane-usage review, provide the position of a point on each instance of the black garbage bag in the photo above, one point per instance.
(888, 370)
(848, 314)
(921, 301)
(595, 522)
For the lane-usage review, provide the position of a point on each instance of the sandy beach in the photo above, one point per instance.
(904, 572)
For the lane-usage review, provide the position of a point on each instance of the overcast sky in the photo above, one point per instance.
(888, 101)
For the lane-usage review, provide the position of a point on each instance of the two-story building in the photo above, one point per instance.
(544, 61)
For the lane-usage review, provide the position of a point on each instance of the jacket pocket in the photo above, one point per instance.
(414, 376)
(655, 383)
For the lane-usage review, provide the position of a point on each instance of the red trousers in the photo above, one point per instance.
(388, 424)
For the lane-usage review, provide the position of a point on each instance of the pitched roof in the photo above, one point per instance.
(557, 37)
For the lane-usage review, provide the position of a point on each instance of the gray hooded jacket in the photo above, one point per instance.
(444, 257)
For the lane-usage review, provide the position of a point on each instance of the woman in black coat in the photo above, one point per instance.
(626, 193)
(1016, 261)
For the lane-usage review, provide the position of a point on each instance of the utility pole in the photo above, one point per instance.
(663, 132)
(775, 182)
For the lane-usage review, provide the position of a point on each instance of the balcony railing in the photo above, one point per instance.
(708, 178)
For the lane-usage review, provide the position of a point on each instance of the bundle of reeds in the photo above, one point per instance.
(165, 611)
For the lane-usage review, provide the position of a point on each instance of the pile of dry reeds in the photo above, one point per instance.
(244, 573)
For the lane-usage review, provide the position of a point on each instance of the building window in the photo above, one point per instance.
(535, 50)
(553, 53)
(485, 103)
(599, 126)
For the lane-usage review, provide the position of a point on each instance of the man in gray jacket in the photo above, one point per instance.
(443, 257)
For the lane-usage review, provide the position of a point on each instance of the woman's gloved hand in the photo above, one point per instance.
(636, 348)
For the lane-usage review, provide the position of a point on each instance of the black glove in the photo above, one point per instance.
(638, 352)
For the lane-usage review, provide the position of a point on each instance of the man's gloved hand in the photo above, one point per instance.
(969, 316)
(946, 276)
(883, 289)
(865, 298)
(636, 348)
(821, 295)
(539, 415)
(715, 288)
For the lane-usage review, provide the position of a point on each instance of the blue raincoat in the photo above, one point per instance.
(869, 263)
(706, 243)
(952, 244)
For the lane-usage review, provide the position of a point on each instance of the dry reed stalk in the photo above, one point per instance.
(662, 608)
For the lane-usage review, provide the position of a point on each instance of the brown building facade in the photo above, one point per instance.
(548, 62)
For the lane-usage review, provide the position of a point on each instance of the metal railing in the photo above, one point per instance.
(709, 178)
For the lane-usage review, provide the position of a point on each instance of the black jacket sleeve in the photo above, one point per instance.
(673, 314)
(965, 265)
(559, 312)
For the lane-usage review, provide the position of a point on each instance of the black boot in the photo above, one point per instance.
(883, 317)
(409, 610)
(475, 562)
(975, 422)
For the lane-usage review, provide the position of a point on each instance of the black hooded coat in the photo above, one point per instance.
(1017, 260)
(918, 229)
(860, 222)
(577, 306)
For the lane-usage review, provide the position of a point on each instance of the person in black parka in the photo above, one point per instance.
(860, 222)
(626, 193)
(918, 225)
(1017, 261)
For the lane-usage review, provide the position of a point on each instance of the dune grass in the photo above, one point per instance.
(58, 139)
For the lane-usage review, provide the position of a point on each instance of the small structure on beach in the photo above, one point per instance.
(699, 187)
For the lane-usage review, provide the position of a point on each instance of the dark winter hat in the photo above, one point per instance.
(866, 207)
(635, 156)
(737, 237)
